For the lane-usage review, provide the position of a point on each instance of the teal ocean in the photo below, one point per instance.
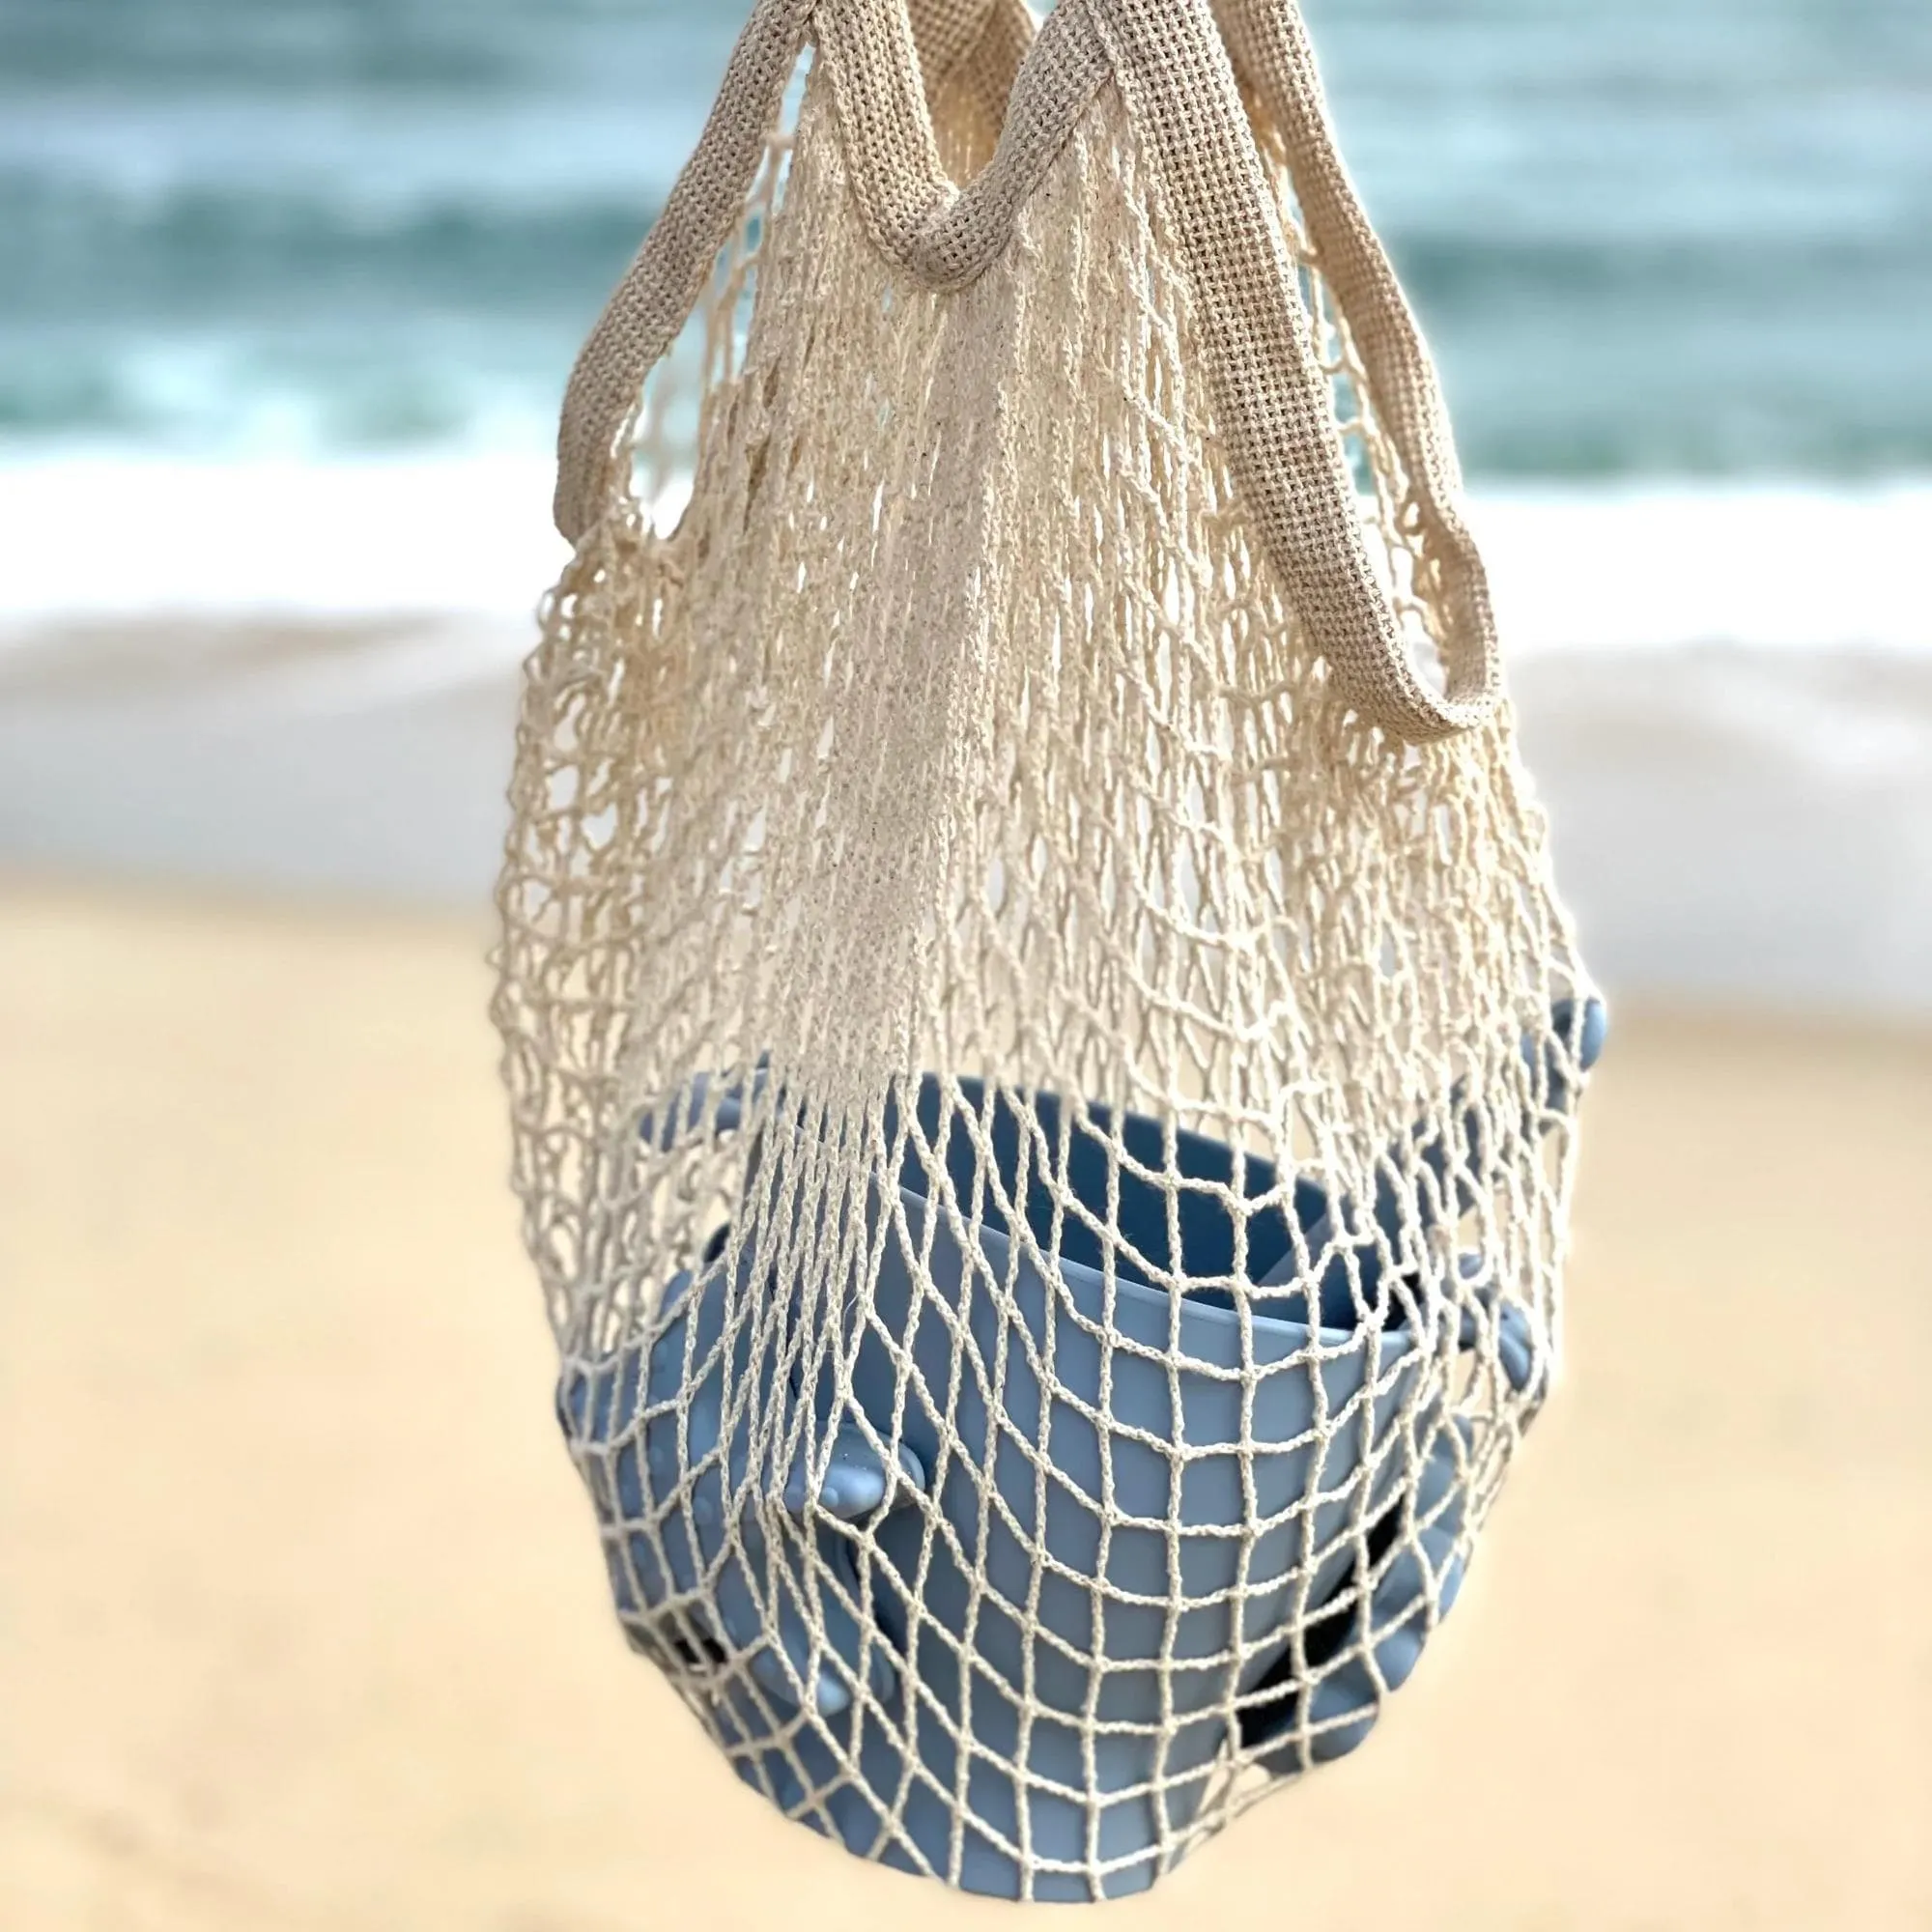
(1673, 239)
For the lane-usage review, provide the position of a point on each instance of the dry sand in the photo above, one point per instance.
(304, 1621)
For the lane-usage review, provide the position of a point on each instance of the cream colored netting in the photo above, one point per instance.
(913, 849)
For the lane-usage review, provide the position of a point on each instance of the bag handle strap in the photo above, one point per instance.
(665, 280)
(987, 40)
(1172, 61)
(1272, 51)
(933, 228)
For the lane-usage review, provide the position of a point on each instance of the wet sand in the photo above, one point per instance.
(302, 1622)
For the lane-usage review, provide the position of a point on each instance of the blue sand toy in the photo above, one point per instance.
(967, 1673)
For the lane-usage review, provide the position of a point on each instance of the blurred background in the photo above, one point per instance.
(291, 289)
(302, 1619)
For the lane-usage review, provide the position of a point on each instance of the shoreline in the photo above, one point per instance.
(301, 677)
(1729, 822)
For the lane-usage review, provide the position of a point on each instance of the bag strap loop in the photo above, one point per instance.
(1174, 62)
(1271, 52)
(665, 280)
(988, 39)
(928, 226)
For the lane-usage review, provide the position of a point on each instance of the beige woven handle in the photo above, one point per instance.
(665, 282)
(1270, 47)
(1172, 61)
(993, 35)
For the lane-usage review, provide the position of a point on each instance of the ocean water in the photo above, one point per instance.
(1672, 237)
(302, 280)
(289, 290)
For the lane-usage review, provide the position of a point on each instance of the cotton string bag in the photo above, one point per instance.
(1041, 1042)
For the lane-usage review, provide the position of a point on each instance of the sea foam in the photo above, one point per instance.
(302, 676)
(90, 538)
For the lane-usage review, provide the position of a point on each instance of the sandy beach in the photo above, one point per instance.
(1737, 762)
(305, 1623)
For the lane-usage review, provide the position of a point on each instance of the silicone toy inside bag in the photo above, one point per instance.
(1047, 1605)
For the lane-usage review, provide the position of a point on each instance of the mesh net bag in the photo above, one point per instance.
(1041, 1043)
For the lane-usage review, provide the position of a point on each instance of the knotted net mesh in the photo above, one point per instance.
(1046, 1138)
